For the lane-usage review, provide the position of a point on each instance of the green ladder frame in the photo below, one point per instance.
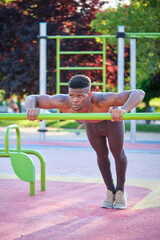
(59, 68)
(59, 53)
(103, 52)
(23, 164)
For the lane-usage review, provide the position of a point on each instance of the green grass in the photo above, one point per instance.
(20, 123)
(71, 124)
(144, 127)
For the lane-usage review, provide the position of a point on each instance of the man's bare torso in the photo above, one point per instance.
(96, 106)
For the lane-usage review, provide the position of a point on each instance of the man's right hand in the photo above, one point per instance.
(32, 114)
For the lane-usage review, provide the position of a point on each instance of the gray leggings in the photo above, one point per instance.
(114, 131)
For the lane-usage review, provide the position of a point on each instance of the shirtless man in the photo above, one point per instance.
(81, 100)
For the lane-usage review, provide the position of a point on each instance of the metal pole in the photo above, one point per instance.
(81, 116)
(120, 83)
(133, 84)
(58, 81)
(42, 72)
(104, 64)
(58, 66)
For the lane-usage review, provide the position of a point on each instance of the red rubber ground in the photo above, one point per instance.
(71, 211)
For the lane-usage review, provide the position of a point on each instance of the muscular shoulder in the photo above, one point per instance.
(99, 98)
(61, 100)
(55, 101)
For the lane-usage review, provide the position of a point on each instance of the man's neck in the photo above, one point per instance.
(86, 109)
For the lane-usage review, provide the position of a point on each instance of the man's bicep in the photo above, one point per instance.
(121, 98)
(49, 102)
(116, 99)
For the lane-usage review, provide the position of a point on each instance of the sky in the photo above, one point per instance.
(113, 3)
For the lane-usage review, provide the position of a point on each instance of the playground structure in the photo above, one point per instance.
(121, 35)
(22, 163)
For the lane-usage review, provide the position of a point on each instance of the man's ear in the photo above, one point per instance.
(90, 94)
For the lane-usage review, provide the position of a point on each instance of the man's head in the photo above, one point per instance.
(80, 81)
(79, 92)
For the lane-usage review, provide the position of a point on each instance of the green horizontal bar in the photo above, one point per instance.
(97, 84)
(82, 52)
(131, 35)
(93, 84)
(81, 36)
(63, 84)
(80, 116)
(81, 68)
(143, 35)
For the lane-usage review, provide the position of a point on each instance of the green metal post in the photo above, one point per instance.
(58, 60)
(58, 65)
(104, 64)
(32, 188)
(43, 166)
(13, 126)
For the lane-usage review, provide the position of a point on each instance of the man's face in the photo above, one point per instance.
(79, 98)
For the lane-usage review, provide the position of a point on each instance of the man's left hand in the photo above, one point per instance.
(116, 114)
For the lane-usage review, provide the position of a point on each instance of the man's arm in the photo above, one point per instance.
(32, 102)
(126, 100)
(129, 99)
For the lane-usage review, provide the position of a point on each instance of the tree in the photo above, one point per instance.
(19, 47)
(139, 16)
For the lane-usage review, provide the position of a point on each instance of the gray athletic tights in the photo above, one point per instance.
(114, 132)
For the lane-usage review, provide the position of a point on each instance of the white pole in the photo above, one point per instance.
(42, 72)
(133, 84)
(120, 60)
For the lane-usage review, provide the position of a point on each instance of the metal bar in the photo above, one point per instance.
(92, 84)
(58, 66)
(32, 188)
(131, 35)
(104, 64)
(58, 63)
(43, 70)
(143, 35)
(81, 36)
(120, 82)
(133, 83)
(81, 68)
(80, 116)
(43, 59)
(16, 127)
(81, 52)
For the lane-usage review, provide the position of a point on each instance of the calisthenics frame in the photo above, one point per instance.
(121, 35)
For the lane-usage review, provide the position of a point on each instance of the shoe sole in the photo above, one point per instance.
(120, 208)
(103, 206)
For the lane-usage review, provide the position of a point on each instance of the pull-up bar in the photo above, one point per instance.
(80, 116)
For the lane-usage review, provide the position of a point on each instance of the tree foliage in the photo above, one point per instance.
(19, 47)
(139, 16)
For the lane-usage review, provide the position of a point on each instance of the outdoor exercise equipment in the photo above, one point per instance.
(22, 163)
(80, 116)
(120, 35)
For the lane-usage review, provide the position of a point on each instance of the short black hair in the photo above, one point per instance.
(79, 81)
